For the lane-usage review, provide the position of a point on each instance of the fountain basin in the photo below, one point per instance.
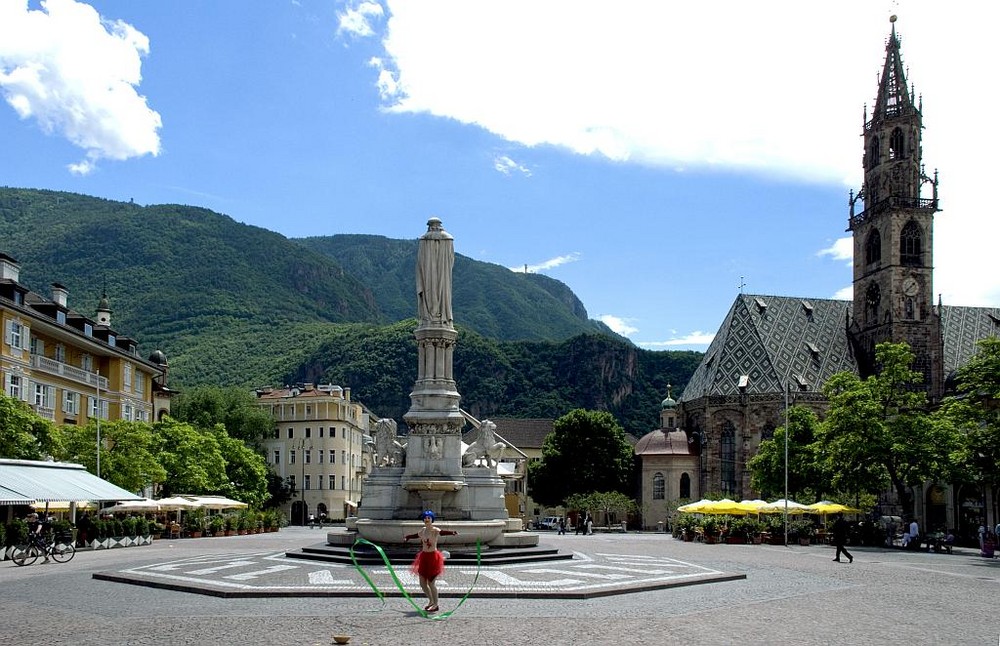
(469, 531)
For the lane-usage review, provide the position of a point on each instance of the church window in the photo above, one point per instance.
(896, 144)
(874, 152)
(727, 456)
(659, 486)
(910, 245)
(873, 295)
(685, 486)
(873, 248)
(908, 312)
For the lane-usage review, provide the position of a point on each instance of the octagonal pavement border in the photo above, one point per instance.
(270, 574)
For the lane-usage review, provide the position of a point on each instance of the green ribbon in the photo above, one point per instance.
(399, 584)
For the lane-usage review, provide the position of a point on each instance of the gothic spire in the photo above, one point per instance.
(894, 99)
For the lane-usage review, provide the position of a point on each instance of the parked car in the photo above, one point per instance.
(549, 522)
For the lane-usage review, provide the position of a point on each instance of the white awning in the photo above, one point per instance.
(8, 497)
(52, 481)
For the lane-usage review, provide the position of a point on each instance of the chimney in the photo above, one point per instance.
(9, 268)
(347, 394)
(59, 294)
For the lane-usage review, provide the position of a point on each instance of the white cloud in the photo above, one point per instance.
(357, 20)
(76, 74)
(548, 264)
(721, 84)
(622, 326)
(841, 249)
(844, 294)
(697, 338)
(506, 165)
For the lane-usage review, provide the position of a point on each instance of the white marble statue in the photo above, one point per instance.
(435, 259)
(388, 450)
(486, 446)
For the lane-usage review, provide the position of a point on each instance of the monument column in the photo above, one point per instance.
(434, 451)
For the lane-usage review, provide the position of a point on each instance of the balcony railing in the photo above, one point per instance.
(892, 202)
(54, 367)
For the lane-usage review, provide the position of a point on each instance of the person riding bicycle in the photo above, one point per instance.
(39, 529)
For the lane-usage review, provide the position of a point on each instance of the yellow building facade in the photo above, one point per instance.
(71, 368)
(320, 446)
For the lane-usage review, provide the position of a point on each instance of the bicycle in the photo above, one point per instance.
(60, 550)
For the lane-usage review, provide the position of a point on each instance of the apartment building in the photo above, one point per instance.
(69, 367)
(320, 446)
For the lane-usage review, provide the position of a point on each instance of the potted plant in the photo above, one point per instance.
(802, 530)
(710, 529)
(194, 524)
(740, 530)
(216, 525)
(229, 524)
(685, 526)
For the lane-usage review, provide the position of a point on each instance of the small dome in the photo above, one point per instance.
(669, 402)
(104, 304)
(158, 358)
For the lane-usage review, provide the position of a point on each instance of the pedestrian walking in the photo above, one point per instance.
(840, 538)
(562, 525)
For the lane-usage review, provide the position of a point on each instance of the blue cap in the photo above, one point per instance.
(427, 514)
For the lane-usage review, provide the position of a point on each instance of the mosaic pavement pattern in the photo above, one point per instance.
(270, 574)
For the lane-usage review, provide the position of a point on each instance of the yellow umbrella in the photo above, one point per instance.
(825, 507)
(694, 507)
(779, 506)
(724, 506)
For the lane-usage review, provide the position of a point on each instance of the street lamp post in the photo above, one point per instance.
(302, 482)
(97, 405)
(788, 430)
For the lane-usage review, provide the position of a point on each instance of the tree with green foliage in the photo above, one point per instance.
(235, 408)
(806, 476)
(128, 456)
(878, 431)
(191, 457)
(23, 434)
(246, 470)
(615, 505)
(586, 452)
(975, 412)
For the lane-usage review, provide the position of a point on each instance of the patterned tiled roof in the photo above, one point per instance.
(775, 340)
(962, 328)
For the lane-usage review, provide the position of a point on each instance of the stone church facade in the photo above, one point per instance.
(772, 349)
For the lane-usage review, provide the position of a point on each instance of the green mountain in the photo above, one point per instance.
(488, 298)
(505, 378)
(232, 304)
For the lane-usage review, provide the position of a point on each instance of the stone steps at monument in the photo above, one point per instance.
(458, 555)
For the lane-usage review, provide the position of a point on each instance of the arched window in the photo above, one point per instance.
(896, 144)
(659, 486)
(908, 312)
(873, 248)
(727, 440)
(873, 296)
(685, 486)
(874, 153)
(910, 245)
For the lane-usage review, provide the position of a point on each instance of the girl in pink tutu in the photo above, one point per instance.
(429, 563)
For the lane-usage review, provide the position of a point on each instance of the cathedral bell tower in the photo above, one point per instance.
(893, 235)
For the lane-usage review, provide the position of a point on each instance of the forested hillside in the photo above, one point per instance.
(505, 378)
(232, 304)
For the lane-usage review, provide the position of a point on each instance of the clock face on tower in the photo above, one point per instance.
(911, 286)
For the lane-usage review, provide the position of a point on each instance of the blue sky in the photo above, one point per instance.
(651, 155)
